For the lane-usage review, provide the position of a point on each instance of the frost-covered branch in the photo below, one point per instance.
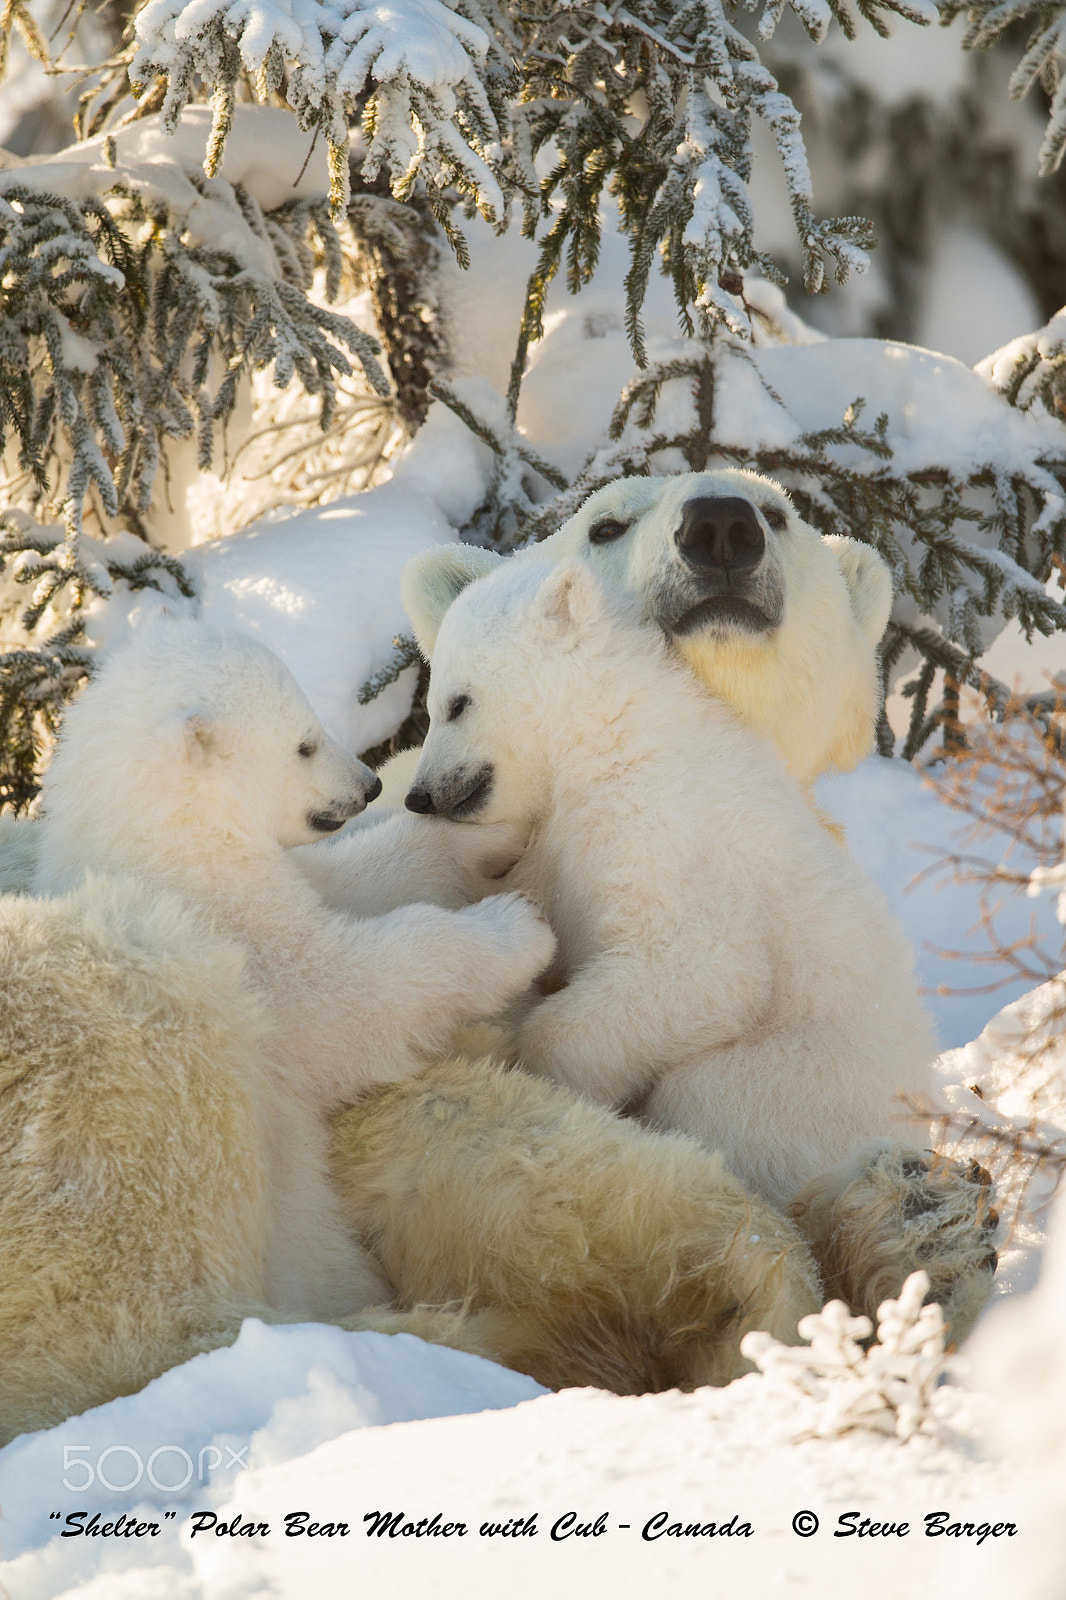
(887, 1387)
(426, 78)
(136, 300)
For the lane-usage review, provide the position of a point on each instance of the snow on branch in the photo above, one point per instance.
(887, 1387)
(426, 77)
(656, 102)
(1031, 370)
(137, 298)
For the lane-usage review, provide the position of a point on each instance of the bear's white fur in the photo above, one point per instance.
(193, 762)
(726, 967)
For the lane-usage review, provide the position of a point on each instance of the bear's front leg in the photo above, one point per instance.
(368, 871)
(888, 1212)
(593, 1036)
(406, 982)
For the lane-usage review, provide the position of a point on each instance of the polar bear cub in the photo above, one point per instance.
(193, 763)
(723, 966)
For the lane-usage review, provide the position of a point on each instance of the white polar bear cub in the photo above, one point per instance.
(193, 763)
(727, 970)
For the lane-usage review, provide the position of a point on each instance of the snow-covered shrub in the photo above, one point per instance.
(886, 1385)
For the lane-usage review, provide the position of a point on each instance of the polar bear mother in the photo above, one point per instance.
(780, 623)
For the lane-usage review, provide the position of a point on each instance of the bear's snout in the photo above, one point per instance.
(328, 818)
(458, 796)
(420, 800)
(725, 534)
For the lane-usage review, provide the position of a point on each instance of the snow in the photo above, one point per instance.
(708, 1456)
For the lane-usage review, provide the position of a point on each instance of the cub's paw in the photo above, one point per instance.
(907, 1210)
(520, 944)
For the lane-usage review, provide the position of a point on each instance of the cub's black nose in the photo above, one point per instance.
(420, 800)
(374, 790)
(720, 533)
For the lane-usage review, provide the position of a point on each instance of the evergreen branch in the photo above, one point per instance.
(407, 654)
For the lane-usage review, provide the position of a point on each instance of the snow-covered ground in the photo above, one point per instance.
(340, 1426)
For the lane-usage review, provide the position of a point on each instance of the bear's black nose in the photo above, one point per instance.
(720, 533)
(374, 790)
(420, 800)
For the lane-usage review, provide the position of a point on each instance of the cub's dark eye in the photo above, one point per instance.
(603, 532)
(775, 517)
(456, 706)
(307, 749)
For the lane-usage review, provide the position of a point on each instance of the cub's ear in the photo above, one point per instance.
(869, 583)
(430, 582)
(570, 598)
(195, 735)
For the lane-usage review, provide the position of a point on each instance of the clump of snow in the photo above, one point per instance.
(445, 461)
(266, 151)
(1023, 362)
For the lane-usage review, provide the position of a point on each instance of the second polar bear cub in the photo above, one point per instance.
(193, 763)
(727, 969)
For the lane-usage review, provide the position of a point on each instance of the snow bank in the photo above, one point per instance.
(711, 1456)
(899, 829)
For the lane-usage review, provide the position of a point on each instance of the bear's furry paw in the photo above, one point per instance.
(904, 1210)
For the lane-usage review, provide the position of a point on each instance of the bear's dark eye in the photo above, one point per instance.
(603, 532)
(456, 706)
(306, 749)
(776, 518)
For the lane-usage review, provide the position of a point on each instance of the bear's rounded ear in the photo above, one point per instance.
(194, 733)
(570, 596)
(869, 583)
(432, 581)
